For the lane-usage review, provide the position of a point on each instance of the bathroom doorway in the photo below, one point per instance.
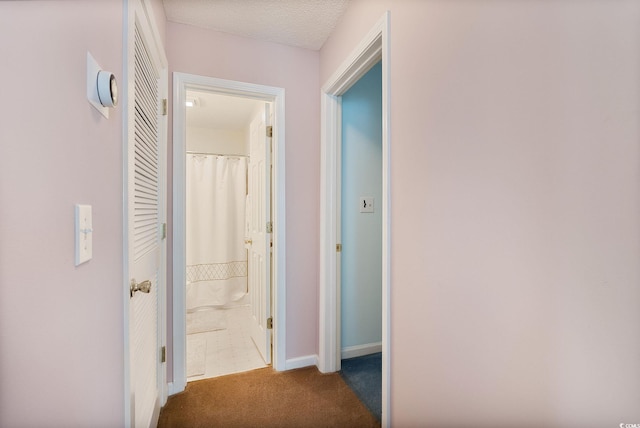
(215, 285)
(224, 196)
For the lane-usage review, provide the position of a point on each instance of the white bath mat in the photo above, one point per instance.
(196, 354)
(206, 320)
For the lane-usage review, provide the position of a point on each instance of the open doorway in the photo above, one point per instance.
(224, 155)
(360, 237)
(258, 259)
(373, 49)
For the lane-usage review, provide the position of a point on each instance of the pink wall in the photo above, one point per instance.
(515, 167)
(160, 19)
(214, 54)
(61, 326)
(515, 209)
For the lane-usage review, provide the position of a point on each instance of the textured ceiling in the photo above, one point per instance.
(302, 23)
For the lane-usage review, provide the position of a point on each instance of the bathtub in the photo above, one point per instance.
(217, 293)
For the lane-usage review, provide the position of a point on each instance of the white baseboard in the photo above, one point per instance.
(174, 388)
(299, 362)
(360, 350)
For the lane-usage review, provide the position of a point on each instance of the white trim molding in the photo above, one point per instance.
(300, 362)
(181, 83)
(373, 48)
(171, 389)
(361, 350)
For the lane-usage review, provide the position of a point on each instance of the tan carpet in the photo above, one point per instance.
(266, 398)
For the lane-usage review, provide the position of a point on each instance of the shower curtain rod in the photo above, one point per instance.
(215, 154)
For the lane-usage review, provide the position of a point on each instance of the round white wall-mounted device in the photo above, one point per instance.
(107, 89)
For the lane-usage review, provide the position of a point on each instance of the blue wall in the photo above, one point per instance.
(361, 273)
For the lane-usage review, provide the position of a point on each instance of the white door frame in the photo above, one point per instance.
(141, 12)
(181, 83)
(373, 48)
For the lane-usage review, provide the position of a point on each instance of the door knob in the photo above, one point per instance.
(248, 241)
(144, 286)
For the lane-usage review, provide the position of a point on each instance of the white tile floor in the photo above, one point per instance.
(230, 350)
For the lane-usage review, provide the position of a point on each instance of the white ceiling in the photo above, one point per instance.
(301, 23)
(215, 111)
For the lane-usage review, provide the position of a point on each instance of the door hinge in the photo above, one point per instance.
(269, 227)
(163, 354)
(163, 231)
(269, 131)
(269, 323)
(165, 106)
(338, 248)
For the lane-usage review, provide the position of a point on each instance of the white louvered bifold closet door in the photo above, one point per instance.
(144, 239)
(146, 153)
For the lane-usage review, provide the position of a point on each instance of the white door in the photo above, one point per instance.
(260, 232)
(145, 181)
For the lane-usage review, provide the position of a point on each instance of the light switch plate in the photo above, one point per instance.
(84, 234)
(366, 204)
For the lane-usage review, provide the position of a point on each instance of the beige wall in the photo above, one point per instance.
(208, 53)
(61, 326)
(515, 209)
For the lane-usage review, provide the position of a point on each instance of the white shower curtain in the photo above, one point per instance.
(215, 253)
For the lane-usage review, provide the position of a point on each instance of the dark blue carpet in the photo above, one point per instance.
(364, 377)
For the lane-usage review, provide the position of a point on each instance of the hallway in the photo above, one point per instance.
(266, 398)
